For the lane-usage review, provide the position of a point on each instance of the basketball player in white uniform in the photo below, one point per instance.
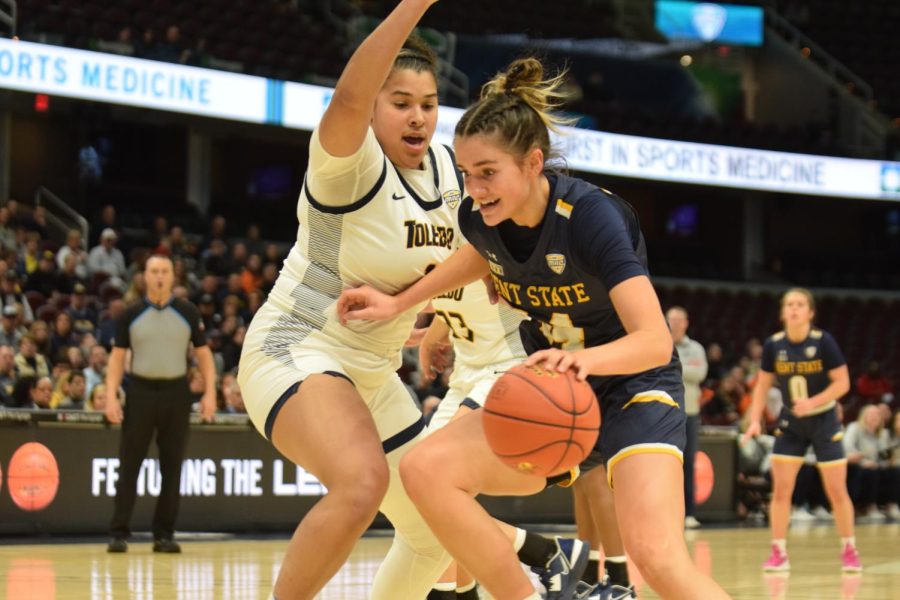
(486, 342)
(376, 208)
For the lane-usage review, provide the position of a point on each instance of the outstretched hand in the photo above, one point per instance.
(365, 303)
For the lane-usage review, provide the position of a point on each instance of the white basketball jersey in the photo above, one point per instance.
(482, 334)
(386, 238)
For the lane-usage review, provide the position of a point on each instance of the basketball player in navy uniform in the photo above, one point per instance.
(376, 207)
(572, 257)
(805, 363)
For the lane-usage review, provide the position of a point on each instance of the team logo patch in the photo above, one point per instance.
(495, 268)
(809, 351)
(557, 263)
(452, 198)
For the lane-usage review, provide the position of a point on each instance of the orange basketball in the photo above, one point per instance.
(33, 477)
(704, 477)
(541, 422)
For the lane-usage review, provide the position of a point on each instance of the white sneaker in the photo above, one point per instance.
(893, 512)
(874, 515)
(802, 515)
(691, 522)
(822, 514)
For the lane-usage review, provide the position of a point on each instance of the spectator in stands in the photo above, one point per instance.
(722, 408)
(45, 279)
(146, 46)
(95, 372)
(197, 55)
(170, 49)
(37, 222)
(177, 243)
(251, 275)
(238, 257)
(73, 246)
(231, 392)
(106, 329)
(68, 278)
(137, 289)
(15, 217)
(61, 390)
(866, 443)
(208, 313)
(183, 276)
(693, 373)
(215, 259)
(269, 275)
(231, 348)
(10, 333)
(61, 337)
(11, 295)
(106, 259)
(7, 232)
(274, 256)
(32, 392)
(750, 363)
(7, 374)
(872, 386)
(29, 257)
(40, 333)
(233, 287)
(28, 361)
(217, 231)
(253, 240)
(83, 315)
(254, 301)
(96, 399)
(717, 368)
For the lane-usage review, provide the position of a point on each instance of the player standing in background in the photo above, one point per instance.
(375, 208)
(572, 256)
(809, 369)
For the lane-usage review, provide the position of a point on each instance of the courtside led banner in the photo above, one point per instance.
(115, 79)
(710, 22)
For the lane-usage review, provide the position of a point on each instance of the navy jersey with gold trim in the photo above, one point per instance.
(589, 242)
(801, 369)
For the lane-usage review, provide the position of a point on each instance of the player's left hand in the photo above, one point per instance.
(803, 407)
(554, 359)
(208, 406)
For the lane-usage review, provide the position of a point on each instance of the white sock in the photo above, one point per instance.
(534, 596)
(520, 539)
(444, 586)
(594, 555)
(617, 559)
(465, 588)
(848, 540)
(781, 545)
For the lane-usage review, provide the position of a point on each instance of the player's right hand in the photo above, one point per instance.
(753, 430)
(434, 358)
(113, 409)
(365, 303)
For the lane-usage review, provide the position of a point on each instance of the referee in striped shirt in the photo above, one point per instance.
(158, 331)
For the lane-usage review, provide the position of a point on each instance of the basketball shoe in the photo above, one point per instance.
(562, 573)
(777, 561)
(850, 560)
(604, 590)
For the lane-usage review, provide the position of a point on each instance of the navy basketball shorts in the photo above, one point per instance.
(641, 414)
(823, 432)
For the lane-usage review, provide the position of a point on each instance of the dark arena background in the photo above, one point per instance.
(759, 142)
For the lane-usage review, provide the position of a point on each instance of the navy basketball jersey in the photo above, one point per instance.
(801, 369)
(589, 242)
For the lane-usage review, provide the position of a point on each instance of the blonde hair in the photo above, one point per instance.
(519, 106)
(804, 292)
(861, 419)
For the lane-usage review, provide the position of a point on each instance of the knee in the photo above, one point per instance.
(782, 492)
(655, 560)
(417, 469)
(361, 490)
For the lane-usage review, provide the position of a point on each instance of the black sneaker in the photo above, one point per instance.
(117, 545)
(166, 545)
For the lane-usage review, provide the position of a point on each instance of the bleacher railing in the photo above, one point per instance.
(60, 215)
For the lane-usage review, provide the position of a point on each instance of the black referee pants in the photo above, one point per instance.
(152, 405)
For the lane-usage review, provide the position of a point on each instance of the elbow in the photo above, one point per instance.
(843, 388)
(661, 350)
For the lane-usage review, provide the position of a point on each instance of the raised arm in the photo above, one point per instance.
(344, 124)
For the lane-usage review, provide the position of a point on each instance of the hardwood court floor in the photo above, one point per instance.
(224, 568)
